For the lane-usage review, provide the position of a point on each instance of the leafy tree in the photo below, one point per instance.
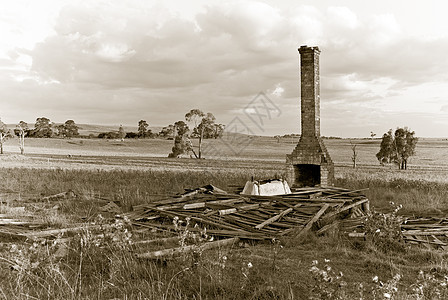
(397, 147)
(405, 142)
(121, 133)
(131, 135)
(60, 130)
(42, 128)
(21, 131)
(180, 143)
(108, 135)
(206, 128)
(71, 129)
(5, 133)
(218, 130)
(194, 116)
(142, 129)
(387, 152)
(167, 131)
(204, 125)
(181, 128)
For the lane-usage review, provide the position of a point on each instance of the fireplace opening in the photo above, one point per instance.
(307, 175)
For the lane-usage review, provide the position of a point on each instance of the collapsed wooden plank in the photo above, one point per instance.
(223, 212)
(345, 208)
(316, 217)
(276, 217)
(64, 195)
(423, 233)
(181, 250)
(55, 232)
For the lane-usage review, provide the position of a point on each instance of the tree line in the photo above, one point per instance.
(396, 146)
(203, 127)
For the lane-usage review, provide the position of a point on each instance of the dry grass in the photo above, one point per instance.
(107, 268)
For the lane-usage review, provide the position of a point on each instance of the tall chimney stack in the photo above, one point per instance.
(310, 91)
(309, 164)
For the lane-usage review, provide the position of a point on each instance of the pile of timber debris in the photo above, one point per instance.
(429, 232)
(251, 216)
(230, 217)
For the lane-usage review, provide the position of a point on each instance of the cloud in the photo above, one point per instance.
(125, 58)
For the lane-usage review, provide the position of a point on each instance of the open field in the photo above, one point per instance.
(430, 153)
(137, 171)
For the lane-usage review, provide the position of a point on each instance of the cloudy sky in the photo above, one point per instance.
(384, 63)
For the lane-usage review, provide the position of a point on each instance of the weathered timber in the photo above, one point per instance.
(345, 208)
(55, 232)
(181, 250)
(276, 217)
(316, 217)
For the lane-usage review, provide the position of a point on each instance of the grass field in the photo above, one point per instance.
(136, 171)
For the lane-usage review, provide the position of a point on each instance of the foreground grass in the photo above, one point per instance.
(421, 193)
(105, 267)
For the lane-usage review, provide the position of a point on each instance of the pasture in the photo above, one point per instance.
(137, 171)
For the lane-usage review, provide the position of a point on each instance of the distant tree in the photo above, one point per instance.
(218, 130)
(60, 130)
(131, 135)
(71, 129)
(372, 134)
(181, 128)
(121, 133)
(142, 129)
(206, 128)
(204, 125)
(194, 116)
(397, 147)
(21, 131)
(108, 135)
(5, 133)
(277, 137)
(387, 153)
(42, 128)
(180, 143)
(167, 131)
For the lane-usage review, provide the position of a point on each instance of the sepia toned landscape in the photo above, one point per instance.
(235, 149)
(101, 263)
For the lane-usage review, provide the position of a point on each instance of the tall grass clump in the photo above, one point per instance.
(417, 195)
(129, 186)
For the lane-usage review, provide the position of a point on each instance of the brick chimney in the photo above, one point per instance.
(309, 164)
